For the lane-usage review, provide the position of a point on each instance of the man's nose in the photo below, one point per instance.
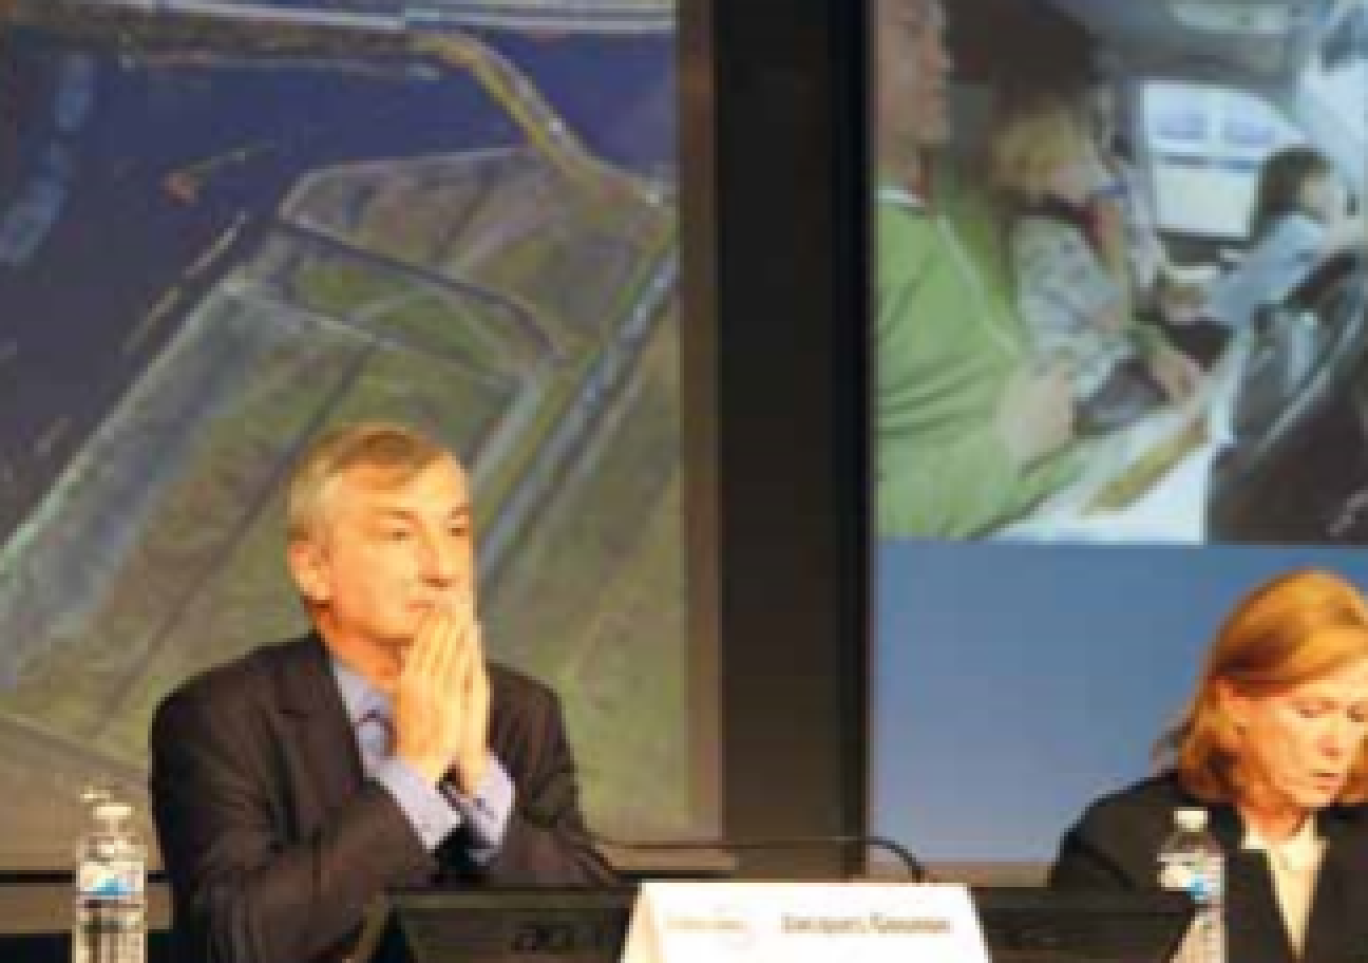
(441, 560)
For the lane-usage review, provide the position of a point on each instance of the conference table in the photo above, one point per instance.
(1020, 923)
(36, 914)
(36, 905)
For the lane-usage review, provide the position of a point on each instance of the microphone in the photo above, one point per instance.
(912, 867)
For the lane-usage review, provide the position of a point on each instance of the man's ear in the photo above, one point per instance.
(309, 569)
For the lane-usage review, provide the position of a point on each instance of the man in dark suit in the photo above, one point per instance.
(294, 785)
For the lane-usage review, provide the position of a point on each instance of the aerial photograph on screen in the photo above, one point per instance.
(1123, 297)
(228, 225)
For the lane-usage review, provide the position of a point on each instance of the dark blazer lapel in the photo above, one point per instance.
(326, 768)
(1254, 923)
(1331, 925)
(328, 761)
(1255, 932)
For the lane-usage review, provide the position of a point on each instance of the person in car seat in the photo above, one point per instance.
(1072, 266)
(1301, 218)
(1172, 297)
(971, 432)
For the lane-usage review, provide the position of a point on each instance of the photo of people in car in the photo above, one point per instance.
(1119, 291)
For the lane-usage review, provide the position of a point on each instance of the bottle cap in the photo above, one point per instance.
(110, 811)
(1192, 820)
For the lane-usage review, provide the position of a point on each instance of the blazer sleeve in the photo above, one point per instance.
(244, 893)
(547, 842)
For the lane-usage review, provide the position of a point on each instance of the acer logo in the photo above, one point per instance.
(552, 937)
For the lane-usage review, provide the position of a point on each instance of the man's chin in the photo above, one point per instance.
(396, 656)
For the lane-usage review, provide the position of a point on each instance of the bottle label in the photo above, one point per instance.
(109, 880)
(1174, 874)
(1200, 879)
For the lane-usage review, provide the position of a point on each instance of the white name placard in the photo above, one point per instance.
(804, 923)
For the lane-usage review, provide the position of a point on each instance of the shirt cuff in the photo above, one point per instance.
(486, 813)
(428, 811)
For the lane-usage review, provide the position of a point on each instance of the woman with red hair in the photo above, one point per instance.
(1272, 745)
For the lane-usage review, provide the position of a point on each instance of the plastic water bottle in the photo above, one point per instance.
(1191, 861)
(111, 887)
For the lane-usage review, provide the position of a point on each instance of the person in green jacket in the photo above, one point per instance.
(971, 432)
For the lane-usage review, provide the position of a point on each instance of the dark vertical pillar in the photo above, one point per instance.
(776, 294)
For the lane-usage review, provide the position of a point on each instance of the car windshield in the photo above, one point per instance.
(1337, 78)
(1206, 145)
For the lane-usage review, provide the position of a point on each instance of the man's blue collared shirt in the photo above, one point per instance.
(434, 811)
